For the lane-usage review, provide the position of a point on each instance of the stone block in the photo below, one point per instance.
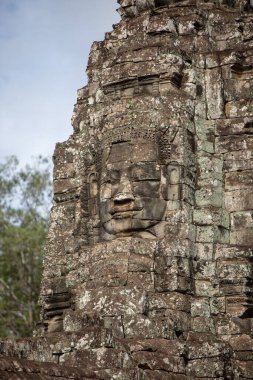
(147, 328)
(211, 367)
(163, 263)
(189, 24)
(161, 375)
(161, 24)
(166, 281)
(245, 369)
(102, 250)
(242, 237)
(164, 346)
(232, 286)
(113, 301)
(239, 108)
(204, 269)
(242, 343)
(210, 168)
(228, 127)
(202, 325)
(206, 217)
(209, 348)
(114, 326)
(239, 200)
(173, 301)
(223, 235)
(206, 234)
(205, 146)
(116, 374)
(210, 193)
(202, 217)
(64, 171)
(108, 281)
(230, 327)
(233, 269)
(18, 369)
(222, 58)
(98, 358)
(242, 220)
(143, 247)
(217, 305)
(75, 321)
(141, 280)
(138, 263)
(64, 185)
(205, 288)
(200, 307)
(239, 180)
(204, 251)
(159, 361)
(225, 251)
(214, 94)
(235, 89)
(110, 266)
(240, 160)
(236, 305)
(241, 142)
(179, 320)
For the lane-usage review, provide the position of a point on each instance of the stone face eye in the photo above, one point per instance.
(138, 174)
(111, 177)
(114, 176)
(145, 172)
(148, 188)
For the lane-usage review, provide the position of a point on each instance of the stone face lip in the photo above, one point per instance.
(148, 263)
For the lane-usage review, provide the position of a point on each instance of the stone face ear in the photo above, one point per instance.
(173, 173)
(93, 193)
(171, 185)
(93, 185)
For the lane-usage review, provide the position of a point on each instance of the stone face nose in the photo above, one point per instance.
(124, 191)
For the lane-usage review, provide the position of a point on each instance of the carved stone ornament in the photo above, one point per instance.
(128, 193)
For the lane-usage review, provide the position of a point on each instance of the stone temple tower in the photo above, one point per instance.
(148, 268)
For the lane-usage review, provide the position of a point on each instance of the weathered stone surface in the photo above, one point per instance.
(148, 264)
(16, 369)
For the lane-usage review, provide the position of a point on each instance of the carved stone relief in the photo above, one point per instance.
(149, 85)
(133, 181)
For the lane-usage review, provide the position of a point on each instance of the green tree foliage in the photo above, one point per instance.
(25, 198)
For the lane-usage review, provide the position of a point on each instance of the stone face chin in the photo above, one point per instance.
(148, 263)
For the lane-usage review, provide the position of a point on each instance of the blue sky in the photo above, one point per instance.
(44, 47)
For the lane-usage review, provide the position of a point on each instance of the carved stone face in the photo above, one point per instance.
(130, 189)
